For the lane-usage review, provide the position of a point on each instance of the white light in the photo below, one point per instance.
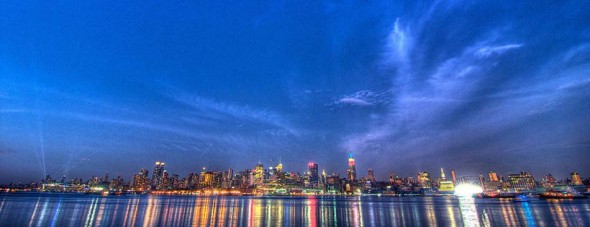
(467, 190)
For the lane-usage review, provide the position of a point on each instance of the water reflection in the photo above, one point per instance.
(468, 211)
(84, 210)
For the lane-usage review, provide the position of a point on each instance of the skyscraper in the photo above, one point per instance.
(454, 176)
(259, 174)
(313, 174)
(158, 174)
(351, 172)
(371, 175)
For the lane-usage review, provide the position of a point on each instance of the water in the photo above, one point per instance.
(23, 209)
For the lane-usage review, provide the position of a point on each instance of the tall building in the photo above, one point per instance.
(313, 174)
(158, 174)
(576, 179)
(454, 176)
(351, 172)
(442, 174)
(141, 182)
(258, 174)
(371, 175)
(493, 176)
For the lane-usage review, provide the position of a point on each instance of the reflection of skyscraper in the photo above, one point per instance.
(313, 174)
(351, 172)
(158, 174)
(576, 179)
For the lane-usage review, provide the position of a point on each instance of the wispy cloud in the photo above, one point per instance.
(365, 98)
(354, 101)
(488, 51)
(223, 111)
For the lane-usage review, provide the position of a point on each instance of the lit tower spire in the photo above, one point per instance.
(351, 172)
(442, 174)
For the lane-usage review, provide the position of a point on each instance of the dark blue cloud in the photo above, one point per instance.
(470, 85)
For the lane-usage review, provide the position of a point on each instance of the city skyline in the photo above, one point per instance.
(97, 87)
(313, 171)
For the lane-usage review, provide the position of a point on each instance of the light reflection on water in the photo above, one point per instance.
(145, 210)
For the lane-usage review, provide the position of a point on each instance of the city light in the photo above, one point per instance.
(467, 190)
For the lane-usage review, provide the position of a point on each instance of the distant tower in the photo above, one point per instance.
(442, 174)
(351, 172)
(371, 175)
(454, 176)
(313, 174)
(158, 173)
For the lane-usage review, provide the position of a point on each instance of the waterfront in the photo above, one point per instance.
(46, 209)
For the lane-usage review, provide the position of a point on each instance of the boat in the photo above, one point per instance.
(521, 198)
(485, 195)
(553, 194)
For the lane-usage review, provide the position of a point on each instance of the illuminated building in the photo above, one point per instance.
(158, 174)
(576, 179)
(445, 186)
(227, 181)
(371, 175)
(258, 174)
(211, 179)
(351, 171)
(165, 183)
(522, 182)
(141, 181)
(493, 176)
(313, 174)
(323, 180)
(279, 167)
(424, 179)
(454, 176)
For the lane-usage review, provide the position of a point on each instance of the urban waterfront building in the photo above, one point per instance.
(576, 179)
(493, 176)
(445, 186)
(522, 181)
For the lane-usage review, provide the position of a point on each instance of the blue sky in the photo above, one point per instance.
(102, 86)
